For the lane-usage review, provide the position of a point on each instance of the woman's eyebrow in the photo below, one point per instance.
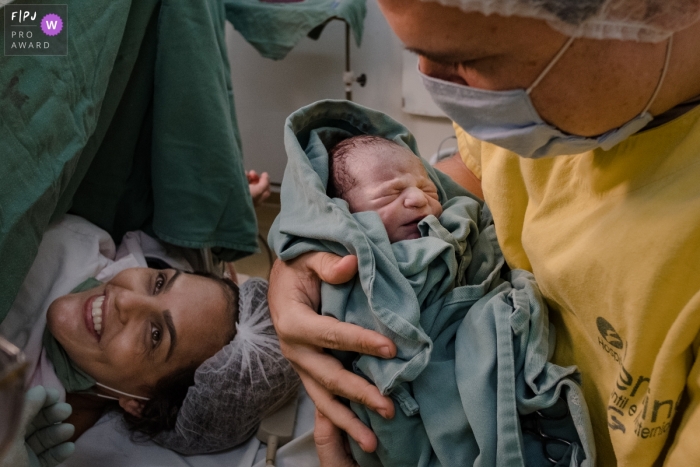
(171, 330)
(170, 282)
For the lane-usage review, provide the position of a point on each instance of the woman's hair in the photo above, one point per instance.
(159, 413)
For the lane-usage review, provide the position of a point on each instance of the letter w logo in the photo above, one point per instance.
(51, 24)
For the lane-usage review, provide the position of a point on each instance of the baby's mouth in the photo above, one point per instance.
(97, 314)
(414, 222)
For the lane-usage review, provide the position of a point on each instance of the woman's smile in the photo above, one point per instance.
(94, 312)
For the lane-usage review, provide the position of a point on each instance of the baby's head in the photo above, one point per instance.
(376, 174)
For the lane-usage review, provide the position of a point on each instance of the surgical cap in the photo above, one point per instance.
(636, 20)
(236, 388)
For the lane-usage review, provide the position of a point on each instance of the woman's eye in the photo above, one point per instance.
(155, 336)
(160, 282)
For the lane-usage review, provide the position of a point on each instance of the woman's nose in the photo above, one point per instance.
(129, 304)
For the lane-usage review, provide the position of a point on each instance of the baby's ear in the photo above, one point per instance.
(131, 406)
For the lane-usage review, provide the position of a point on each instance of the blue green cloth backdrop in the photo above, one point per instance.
(134, 129)
(274, 28)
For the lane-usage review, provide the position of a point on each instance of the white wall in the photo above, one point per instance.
(267, 91)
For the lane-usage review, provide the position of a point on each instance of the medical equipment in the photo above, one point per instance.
(277, 429)
(12, 369)
(637, 20)
(274, 27)
(441, 153)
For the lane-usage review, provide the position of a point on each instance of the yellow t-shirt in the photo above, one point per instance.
(613, 238)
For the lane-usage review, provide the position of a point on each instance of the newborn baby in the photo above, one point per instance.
(472, 340)
(375, 174)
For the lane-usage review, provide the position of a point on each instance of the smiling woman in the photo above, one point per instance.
(140, 337)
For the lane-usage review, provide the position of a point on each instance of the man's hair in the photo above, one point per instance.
(160, 411)
(340, 178)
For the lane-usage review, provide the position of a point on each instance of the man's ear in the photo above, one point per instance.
(131, 406)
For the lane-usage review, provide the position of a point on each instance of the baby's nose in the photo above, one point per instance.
(415, 198)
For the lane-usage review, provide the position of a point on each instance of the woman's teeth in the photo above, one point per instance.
(97, 314)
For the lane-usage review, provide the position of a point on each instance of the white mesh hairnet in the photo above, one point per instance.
(638, 20)
(237, 387)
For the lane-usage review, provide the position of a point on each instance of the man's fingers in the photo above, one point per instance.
(332, 268)
(328, 332)
(329, 374)
(299, 280)
(339, 415)
(330, 444)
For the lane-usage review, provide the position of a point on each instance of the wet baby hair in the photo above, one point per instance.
(340, 177)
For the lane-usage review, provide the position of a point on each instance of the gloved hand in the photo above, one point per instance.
(41, 439)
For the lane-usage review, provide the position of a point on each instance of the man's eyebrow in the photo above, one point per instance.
(432, 56)
(170, 283)
(171, 329)
(448, 58)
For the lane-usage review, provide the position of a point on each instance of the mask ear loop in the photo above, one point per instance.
(553, 62)
(669, 45)
(104, 396)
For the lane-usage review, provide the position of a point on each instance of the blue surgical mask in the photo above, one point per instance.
(509, 120)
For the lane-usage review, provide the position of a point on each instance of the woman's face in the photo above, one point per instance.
(153, 322)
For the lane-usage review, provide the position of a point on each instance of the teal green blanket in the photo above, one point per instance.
(471, 379)
(134, 129)
(275, 28)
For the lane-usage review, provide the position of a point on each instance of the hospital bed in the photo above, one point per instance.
(107, 444)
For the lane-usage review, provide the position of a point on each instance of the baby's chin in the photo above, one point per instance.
(405, 234)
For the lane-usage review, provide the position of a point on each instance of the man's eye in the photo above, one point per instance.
(160, 282)
(155, 336)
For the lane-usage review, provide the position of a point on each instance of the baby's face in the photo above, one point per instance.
(398, 188)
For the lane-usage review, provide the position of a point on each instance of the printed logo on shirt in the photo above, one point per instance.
(609, 340)
(35, 29)
(608, 332)
(631, 408)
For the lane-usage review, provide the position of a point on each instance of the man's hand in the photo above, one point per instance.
(332, 447)
(294, 297)
(259, 186)
(42, 438)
